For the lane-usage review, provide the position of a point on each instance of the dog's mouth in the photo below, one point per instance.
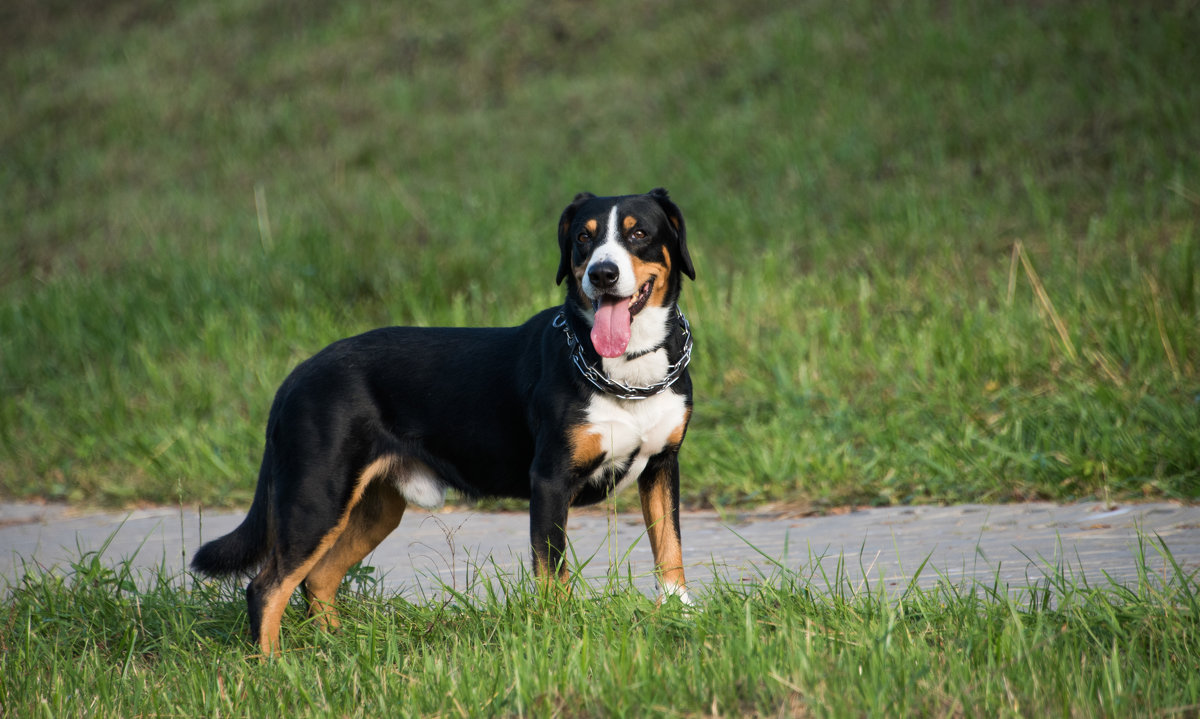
(611, 327)
(643, 295)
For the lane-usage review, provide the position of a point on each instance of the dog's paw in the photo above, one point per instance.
(669, 592)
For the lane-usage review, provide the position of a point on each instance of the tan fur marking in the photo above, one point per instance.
(541, 567)
(586, 445)
(371, 521)
(592, 226)
(268, 638)
(659, 514)
(629, 222)
(542, 571)
(676, 437)
(642, 271)
(277, 598)
(587, 301)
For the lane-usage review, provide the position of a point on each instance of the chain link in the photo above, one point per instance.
(608, 385)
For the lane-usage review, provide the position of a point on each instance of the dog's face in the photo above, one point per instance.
(624, 257)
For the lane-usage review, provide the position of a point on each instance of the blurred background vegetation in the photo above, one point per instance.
(946, 251)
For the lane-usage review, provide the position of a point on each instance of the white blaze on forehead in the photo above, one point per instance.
(611, 236)
(610, 250)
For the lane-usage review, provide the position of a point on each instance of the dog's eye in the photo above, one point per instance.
(584, 238)
(637, 235)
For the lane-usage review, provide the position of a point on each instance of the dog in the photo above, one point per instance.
(575, 404)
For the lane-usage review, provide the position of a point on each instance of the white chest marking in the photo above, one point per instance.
(633, 428)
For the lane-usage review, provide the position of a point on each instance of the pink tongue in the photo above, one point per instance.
(610, 332)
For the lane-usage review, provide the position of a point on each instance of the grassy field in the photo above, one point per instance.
(945, 251)
(89, 642)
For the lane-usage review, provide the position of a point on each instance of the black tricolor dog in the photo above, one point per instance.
(563, 410)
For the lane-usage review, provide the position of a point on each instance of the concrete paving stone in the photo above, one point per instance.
(1018, 545)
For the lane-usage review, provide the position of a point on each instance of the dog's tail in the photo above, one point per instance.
(244, 548)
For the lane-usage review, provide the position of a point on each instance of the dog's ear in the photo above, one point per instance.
(676, 218)
(564, 240)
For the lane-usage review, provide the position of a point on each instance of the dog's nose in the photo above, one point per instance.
(604, 275)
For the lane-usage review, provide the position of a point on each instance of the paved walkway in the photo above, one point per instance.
(1019, 544)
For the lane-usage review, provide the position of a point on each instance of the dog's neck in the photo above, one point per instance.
(647, 359)
(659, 349)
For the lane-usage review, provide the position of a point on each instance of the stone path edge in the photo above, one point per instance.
(1018, 545)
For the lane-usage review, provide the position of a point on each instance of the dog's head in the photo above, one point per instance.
(624, 257)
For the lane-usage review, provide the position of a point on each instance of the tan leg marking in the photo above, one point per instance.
(371, 521)
(659, 514)
(541, 567)
(277, 597)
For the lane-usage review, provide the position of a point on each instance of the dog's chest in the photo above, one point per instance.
(630, 432)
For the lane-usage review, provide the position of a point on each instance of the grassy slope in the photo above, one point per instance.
(194, 197)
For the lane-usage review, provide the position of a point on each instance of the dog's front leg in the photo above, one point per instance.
(548, 527)
(658, 488)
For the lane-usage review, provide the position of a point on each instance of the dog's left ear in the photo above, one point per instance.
(676, 218)
(564, 240)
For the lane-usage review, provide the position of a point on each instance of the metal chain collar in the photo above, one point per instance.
(608, 385)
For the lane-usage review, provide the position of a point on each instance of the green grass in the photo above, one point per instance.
(196, 196)
(97, 641)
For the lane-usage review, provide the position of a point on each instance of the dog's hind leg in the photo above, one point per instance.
(304, 534)
(370, 522)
